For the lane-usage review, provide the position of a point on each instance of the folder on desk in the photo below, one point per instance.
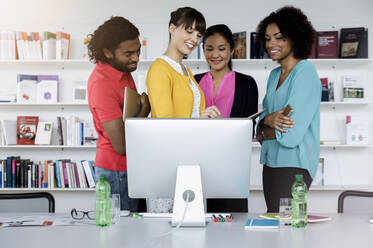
(132, 103)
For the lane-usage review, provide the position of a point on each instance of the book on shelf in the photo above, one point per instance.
(44, 133)
(23, 173)
(26, 91)
(324, 90)
(327, 45)
(26, 129)
(357, 130)
(354, 43)
(47, 89)
(353, 88)
(363, 52)
(256, 50)
(90, 134)
(239, 51)
(262, 224)
(49, 45)
(62, 46)
(7, 45)
(89, 173)
(9, 131)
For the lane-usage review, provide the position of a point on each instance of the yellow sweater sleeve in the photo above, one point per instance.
(159, 86)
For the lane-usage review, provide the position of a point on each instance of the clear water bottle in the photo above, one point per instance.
(102, 203)
(299, 203)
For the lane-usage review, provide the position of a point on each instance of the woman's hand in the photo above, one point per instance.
(211, 112)
(278, 121)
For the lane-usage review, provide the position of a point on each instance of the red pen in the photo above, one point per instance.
(215, 218)
(229, 218)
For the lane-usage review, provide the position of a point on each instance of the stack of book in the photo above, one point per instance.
(33, 46)
(23, 173)
(72, 132)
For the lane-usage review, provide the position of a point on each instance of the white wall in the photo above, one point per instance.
(343, 166)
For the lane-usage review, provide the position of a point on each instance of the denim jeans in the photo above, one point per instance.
(119, 185)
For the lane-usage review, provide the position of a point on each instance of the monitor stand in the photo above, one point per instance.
(188, 180)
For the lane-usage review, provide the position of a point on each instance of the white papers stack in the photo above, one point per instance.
(7, 45)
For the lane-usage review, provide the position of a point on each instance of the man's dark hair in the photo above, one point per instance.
(294, 25)
(109, 35)
(225, 32)
(187, 16)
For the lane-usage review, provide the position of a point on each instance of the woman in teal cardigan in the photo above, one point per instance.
(290, 144)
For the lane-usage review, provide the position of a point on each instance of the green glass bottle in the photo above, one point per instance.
(102, 203)
(299, 203)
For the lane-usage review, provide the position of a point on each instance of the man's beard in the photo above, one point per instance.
(122, 67)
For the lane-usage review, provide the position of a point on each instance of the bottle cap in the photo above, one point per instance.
(102, 177)
(299, 177)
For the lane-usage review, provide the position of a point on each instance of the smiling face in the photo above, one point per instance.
(278, 46)
(185, 40)
(217, 52)
(126, 56)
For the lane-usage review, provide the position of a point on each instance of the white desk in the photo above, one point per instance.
(345, 230)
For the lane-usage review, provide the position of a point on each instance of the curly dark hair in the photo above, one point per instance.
(294, 25)
(109, 35)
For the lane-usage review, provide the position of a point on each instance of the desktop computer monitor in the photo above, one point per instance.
(218, 150)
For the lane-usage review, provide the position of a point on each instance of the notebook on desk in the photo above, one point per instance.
(262, 224)
(132, 103)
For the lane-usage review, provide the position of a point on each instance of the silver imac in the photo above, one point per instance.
(208, 158)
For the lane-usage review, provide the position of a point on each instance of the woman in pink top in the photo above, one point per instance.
(234, 94)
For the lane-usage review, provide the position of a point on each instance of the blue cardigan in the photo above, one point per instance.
(300, 146)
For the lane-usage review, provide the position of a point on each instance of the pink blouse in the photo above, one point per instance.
(225, 94)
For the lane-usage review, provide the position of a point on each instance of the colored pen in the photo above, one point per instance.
(215, 218)
(221, 218)
(229, 218)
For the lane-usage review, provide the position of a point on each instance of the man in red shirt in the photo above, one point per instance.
(115, 49)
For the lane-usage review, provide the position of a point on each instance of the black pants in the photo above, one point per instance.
(227, 205)
(277, 184)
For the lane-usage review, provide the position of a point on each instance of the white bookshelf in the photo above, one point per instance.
(60, 104)
(19, 190)
(79, 69)
(47, 147)
(351, 62)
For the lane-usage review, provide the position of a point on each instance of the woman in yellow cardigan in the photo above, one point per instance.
(172, 89)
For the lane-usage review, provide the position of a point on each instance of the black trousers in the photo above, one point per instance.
(227, 205)
(277, 184)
